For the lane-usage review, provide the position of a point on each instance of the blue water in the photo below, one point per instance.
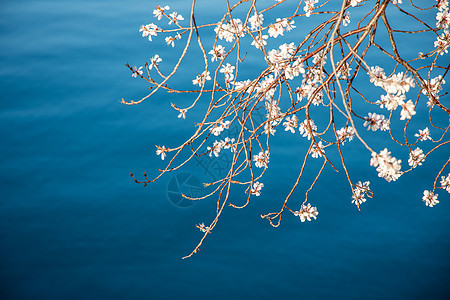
(73, 225)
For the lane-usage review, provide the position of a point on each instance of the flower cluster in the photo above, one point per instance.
(219, 145)
(445, 183)
(388, 167)
(201, 78)
(443, 16)
(227, 70)
(228, 31)
(291, 123)
(345, 133)
(305, 131)
(217, 53)
(443, 42)
(375, 121)
(423, 135)
(152, 29)
(306, 213)
(360, 192)
(256, 188)
(430, 198)
(218, 128)
(262, 159)
(395, 86)
(149, 30)
(432, 88)
(416, 158)
(280, 26)
(317, 151)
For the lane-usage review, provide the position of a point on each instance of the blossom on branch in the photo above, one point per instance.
(161, 151)
(217, 53)
(306, 213)
(256, 188)
(149, 30)
(136, 72)
(159, 11)
(430, 198)
(154, 61)
(360, 192)
(175, 17)
(445, 183)
(388, 167)
(423, 135)
(416, 158)
(262, 159)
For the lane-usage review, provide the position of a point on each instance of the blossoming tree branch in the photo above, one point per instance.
(326, 72)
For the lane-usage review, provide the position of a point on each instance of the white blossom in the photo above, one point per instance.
(201, 78)
(317, 151)
(375, 121)
(238, 85)
(182, 113)
(443, 19)
(291, 123)
(136, 72)
(262, 159)
(423, 135)
(256, 21)
(442, 5)
(273, 112)
(430, 198)
(391, 102)
(154, 61)
(346, 18)
(388, 167)
(303, 128)
(218, 128)
(161, 151)
(360, 191)
(268, 129)
(445, 182)
(170, 41)
(228, 31)
(149, 30)
(443, 42)
(309, 6)
(217, 53)
(229, 144)
(416, 158)
(377, 75)
(175, 17)
(288, 24)
(344, 72)
(215, 149)
(260, 40)
(266, 87)
(228, 70)
(306, 213)
(407, 110)
(345, 133)
(256, 188)
(275, 30)
(158, 11)
(432, 88)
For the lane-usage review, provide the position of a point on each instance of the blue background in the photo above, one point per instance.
(73, 225)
